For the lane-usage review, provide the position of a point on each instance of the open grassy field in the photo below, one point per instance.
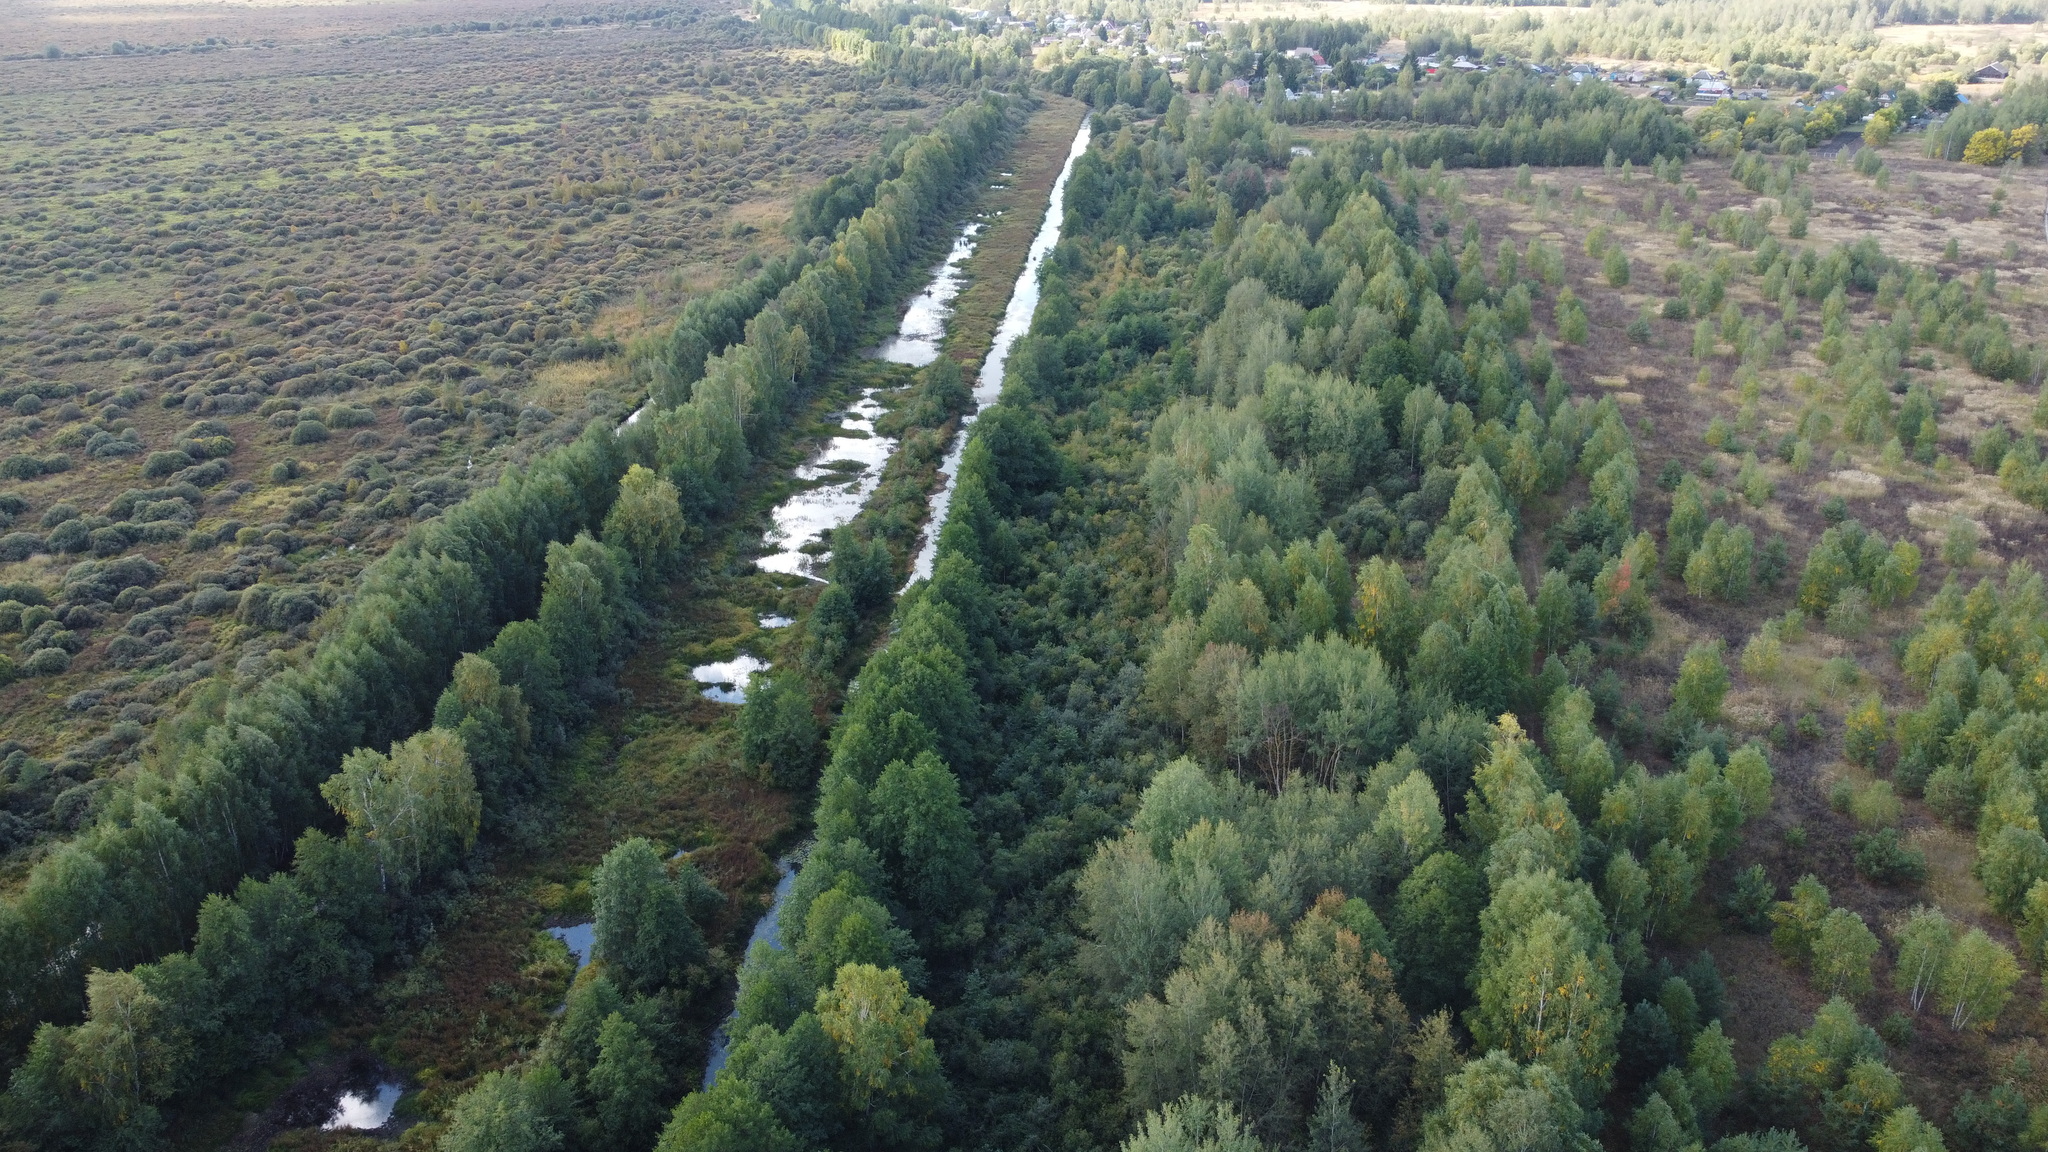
(264, 303)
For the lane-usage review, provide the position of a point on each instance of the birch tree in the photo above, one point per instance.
(1925, 937)
(1975, 981)
(416, 808)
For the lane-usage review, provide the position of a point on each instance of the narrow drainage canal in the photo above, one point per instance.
(989, 384)
(808, 514)
(765, 933)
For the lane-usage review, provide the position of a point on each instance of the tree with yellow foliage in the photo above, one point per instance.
(1991, 146)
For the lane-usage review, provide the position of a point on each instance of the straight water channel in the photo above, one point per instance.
(851, 468)
(810, 514)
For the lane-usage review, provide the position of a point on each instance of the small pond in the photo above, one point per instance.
(365, 1108)
(580, 938)
(729, 678)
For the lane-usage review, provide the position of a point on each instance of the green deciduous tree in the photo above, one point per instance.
(1749, 772)
(1572, 327)
(1496, 1105)
(1252, 1014)
(1702, 682)
(778, 729)
(1329, 709)
(2009, 861)
(499, 1115)
(1615, 266)
(491, 718)
(1796, 922)
(917, 822)
(1548, 989)
(643, 932)
(1976, 980)
(1710, 1072)
(1904, 1131)
(583, 606)
(1865, 732)
(1332, 1127)
(726, 1117)
(1582, 761)
(1842, 950)
(1925, 938)
(1434, 929)
(1852, 1110)
(646, 521)
(1386, 614)
(1192, 1124)
(417, 808)
(1719, 568)
(627, 1083)
(888, 1068)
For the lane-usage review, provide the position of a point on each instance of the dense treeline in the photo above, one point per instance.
(1332, 414)
(908, 44)
(234, 775)
(1520, 117)
(1967, 749)
(241, 771)
(2017, 120)
(1102, 80)
(268, 959)
(1639, 132)
(1505, 118)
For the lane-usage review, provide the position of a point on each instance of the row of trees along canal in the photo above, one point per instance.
(286, 775)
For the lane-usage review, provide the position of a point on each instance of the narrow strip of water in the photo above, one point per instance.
(989, 383)
(912, 337)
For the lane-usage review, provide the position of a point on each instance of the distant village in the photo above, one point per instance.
(1701, 87)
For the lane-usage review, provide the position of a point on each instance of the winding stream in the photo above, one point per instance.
(807, 514)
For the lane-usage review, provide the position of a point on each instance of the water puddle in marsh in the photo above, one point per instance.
(364, 1109)
(580, 939)
(846, 472)
(850, 468)
(916, 341)
(989, 384)
(729, 678)
(356, 1092)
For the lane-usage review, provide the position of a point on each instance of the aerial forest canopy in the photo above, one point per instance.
(1472, 601)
